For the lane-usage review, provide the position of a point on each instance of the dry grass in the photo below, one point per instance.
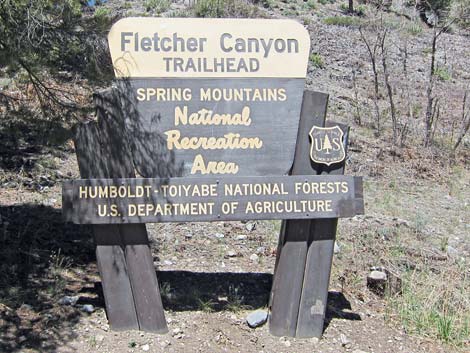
(436, 305)
(407, 232)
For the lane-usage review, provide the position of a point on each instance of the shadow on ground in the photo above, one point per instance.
(41, 260)
(44, 259)
(209, 291)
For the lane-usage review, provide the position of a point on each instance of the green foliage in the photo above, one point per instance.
(206, 305)
(210, 8)
(235, 300)
(345, 21)
(32, 29)
(316, 60)
(43, 39)
(442, 74)
(360, 10)
(323, 2)
(157, 6)
(102, 19)
(311, 4)
(225, 8)
(414, 28)
(435, 305)
(344, 7)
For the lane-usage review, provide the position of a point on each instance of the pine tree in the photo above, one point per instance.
(327, 144)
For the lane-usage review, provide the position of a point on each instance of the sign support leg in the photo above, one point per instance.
(293, 242)
(125, 262)
(314, 297)
(110, 255)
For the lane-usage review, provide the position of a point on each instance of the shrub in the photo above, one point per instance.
(316, 60)
(414, 28)
(157, 6)
(311, 4)
(442, 74)
(461, 11)
(431, 8)
(225, 8)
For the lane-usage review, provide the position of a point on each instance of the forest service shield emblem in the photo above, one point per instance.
(327, 145)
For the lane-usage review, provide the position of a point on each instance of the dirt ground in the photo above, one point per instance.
(207, 294)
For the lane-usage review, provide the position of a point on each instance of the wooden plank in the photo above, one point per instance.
(292, 251)
(143, 277)
(318, 265)
(110, 255)
(134, 238)
(273, 122)
(212, 199)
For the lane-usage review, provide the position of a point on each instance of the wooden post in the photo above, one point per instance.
(110, 255)
(293, 242)
(125, 263)
(314, 296)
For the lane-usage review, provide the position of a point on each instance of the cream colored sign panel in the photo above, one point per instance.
(193, 47)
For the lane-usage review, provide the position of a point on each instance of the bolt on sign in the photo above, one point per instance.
(211, 96)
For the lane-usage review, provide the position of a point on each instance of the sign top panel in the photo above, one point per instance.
(207, 48)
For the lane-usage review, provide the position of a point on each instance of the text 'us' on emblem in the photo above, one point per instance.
(327, 145)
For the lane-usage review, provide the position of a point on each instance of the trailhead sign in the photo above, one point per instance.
(211, 96)
(209, 121)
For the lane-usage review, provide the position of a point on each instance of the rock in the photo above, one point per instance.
(68, 300)
(452, 252)
(250, 226)
(167, 263)
(254, 258)
(345, 341)
(219, 235)
(231, 253)
(314, 340)
(377, 275)
(49, 202)
(145, 347)
(88, 308)
(59, 175)
(261, 250)
(165, 344)
(241, 237)
(176, 331)
(99, 338)
(25, 307)
(257, 318)
(287, 343)
(4, 82)
(377, 282)
(188, 235)
(358, 351)
(337, 248)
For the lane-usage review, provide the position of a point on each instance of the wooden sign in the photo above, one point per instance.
(108, 201)
(210, 96)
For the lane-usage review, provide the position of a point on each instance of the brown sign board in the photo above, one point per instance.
(210, 96)
(113, 201)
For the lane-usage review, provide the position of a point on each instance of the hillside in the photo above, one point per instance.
(417, 193)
